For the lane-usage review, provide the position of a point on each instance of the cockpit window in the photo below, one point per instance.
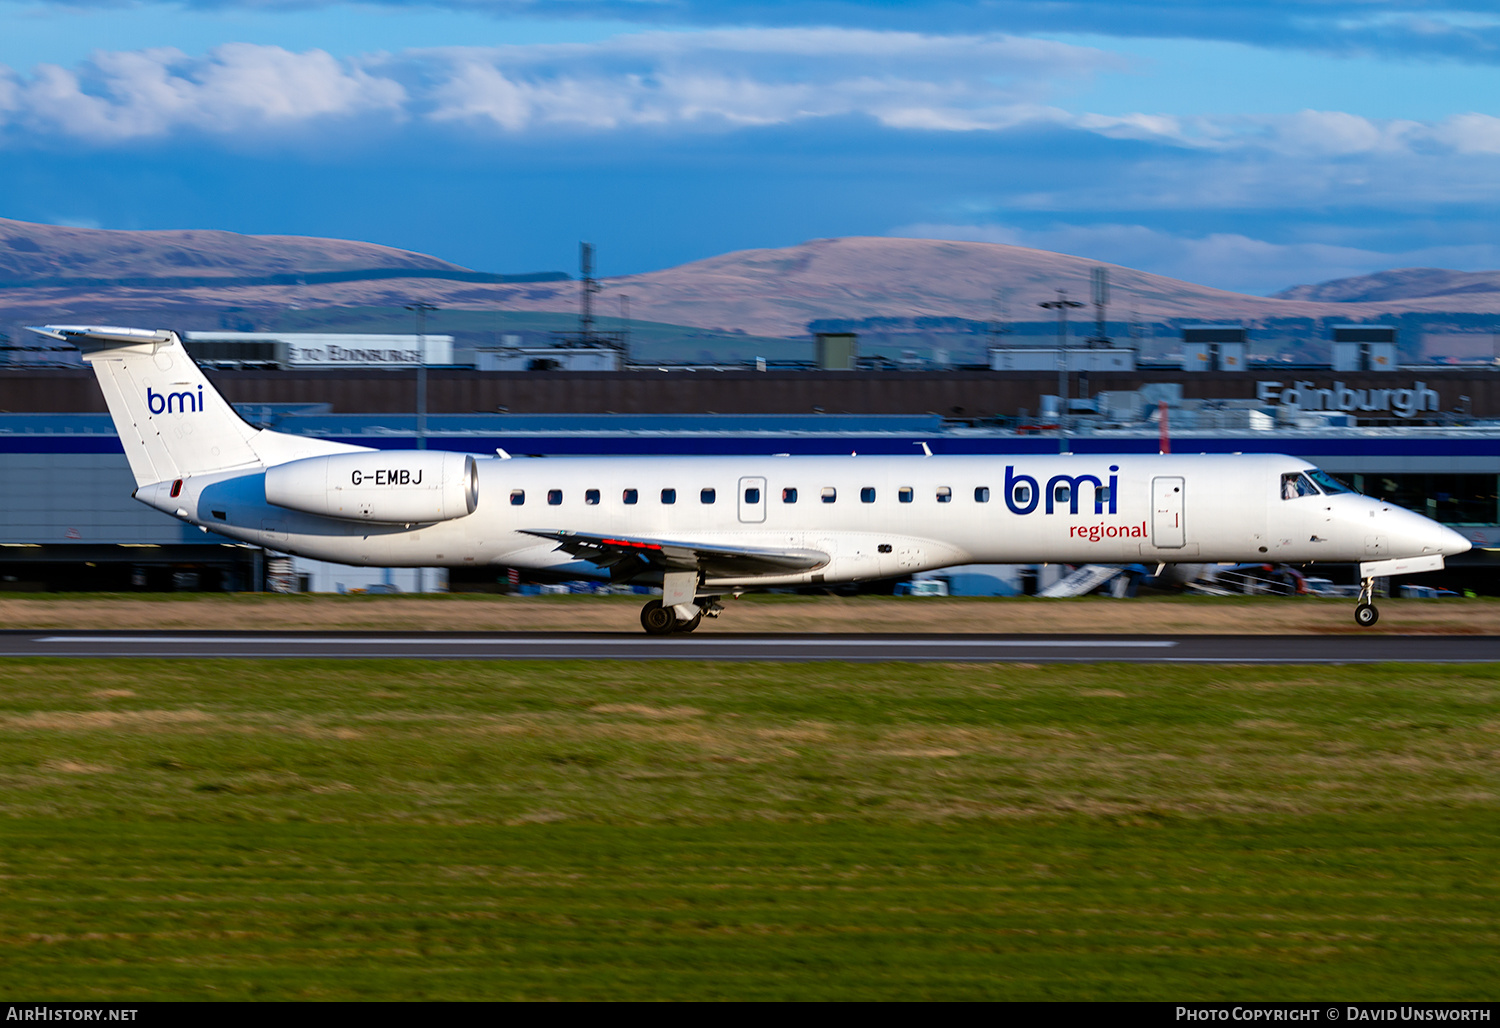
(1327, 482)
(1295, 484)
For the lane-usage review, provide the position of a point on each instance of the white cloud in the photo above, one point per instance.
(720, 80)
(753, 77)
(1470, 133)
(1223, 260)
(145, 93)
(1337, 133)
(10, 91)
(726, 77)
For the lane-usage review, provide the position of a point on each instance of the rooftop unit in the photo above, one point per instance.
(836, 351)
(1364, 347)
(549, 358)
(319, 349)
(1214, 347)
(1005, 358)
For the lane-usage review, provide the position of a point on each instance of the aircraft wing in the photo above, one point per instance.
(626, 556)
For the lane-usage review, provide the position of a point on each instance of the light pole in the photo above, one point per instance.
(1061, 305)
(420, 310)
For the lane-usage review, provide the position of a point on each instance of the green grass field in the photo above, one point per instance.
(464, 830)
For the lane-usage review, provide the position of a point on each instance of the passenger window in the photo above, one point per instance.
(1062, 494)
(788, 496)
(830, 494)
(944, 494)
(1022, 495)
(1101, 496)
(669, 496)
(517, 497)
(631, 496)
(981, 494)
(867, 494)
(752, 495)
(904, 494)
(591, 497)
(554, 497)
(707, 495)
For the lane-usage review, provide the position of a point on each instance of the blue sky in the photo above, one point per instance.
(1249, 146)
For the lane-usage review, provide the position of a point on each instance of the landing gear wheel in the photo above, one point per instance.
(689, 625)
(1366, 615)
(658, 620)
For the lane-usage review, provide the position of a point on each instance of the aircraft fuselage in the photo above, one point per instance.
(873, 517)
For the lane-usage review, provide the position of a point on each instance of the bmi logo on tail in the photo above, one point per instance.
(174, 403)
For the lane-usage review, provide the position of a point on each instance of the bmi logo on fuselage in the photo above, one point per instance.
(174, 403)
(1022, 494)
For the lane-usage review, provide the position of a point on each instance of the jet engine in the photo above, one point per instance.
(386, 486)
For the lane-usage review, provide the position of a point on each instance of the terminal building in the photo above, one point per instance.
(1427, 438)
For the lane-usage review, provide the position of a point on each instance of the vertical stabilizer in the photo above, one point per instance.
(172, 421)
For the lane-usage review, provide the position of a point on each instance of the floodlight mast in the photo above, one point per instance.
(1101, 305)
(588, 287)
(1062, 304)
(420, 311)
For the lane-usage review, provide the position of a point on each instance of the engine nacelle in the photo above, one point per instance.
(387, 486)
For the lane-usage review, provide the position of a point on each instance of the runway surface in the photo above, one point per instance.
(1370, 647)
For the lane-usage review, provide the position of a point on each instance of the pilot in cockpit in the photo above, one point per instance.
(1295, 484)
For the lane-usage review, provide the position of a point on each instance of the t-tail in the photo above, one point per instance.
(172, 422)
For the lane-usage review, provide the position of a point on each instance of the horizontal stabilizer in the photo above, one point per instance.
(90, 337)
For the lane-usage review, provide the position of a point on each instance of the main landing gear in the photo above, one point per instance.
(659, 620)
(1365, 613)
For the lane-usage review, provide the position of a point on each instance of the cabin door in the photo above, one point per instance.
(1167, 531)
(752, 500)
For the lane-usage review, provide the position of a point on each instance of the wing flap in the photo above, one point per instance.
(713, 559)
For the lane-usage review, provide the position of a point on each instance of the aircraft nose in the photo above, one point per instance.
(1414, 534)
(1451, 543)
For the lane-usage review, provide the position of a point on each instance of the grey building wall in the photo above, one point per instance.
(80, 498)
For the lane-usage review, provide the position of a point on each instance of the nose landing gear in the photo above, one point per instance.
(1365, 612)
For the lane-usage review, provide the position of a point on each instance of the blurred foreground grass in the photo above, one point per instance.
(345, 830)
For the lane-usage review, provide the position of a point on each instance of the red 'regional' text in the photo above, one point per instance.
(1094, 533)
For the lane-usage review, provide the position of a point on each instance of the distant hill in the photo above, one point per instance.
(895, 289)
(779, 291)
(51, 252)
(1401, 284)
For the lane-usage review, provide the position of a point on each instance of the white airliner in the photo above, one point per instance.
(706, 527)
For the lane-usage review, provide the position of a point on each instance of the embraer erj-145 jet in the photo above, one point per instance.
(706, 527)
